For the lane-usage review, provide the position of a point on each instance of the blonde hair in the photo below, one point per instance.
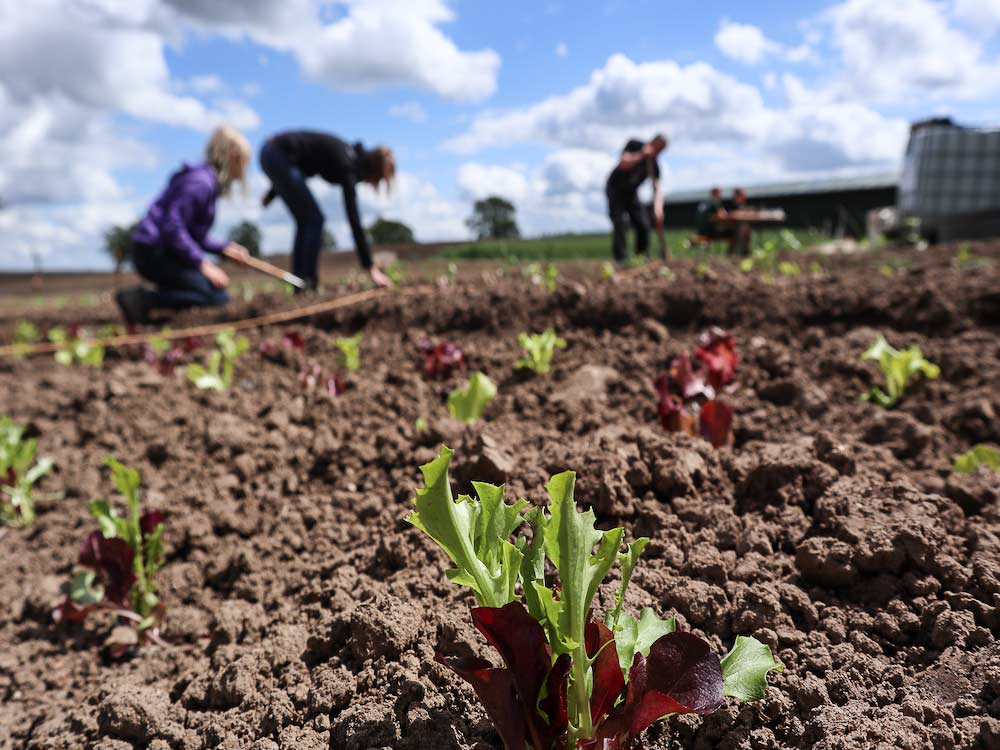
(382, 166)
(228, 151)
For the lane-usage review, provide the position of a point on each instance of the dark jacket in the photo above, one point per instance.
(337, 162)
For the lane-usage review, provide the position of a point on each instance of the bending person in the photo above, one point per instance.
(637, 164)
(170, 244)
(288, 159)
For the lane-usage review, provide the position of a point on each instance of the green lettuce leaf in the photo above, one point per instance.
(569, 543)
(745, 668)
(468, 404)
(634, 636)
(981, 455)
(473, 533)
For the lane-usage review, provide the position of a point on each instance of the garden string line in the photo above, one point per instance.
(283, 316)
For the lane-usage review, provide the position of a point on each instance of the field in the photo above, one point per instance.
(303, 613)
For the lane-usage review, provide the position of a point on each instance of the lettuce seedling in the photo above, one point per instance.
(981, 455)
(120, 561)
(547, 277)
(569, 680)
(789, 268)
(540, 348)
(26, 332)
(164, 355)
(291, 341)
(349, 356)
(688, 394)
(78, 350)
(313, 378)
(717, 352)
(900, 368)
(218, 375)
(441, 359)
(468, 404)
(19, 472)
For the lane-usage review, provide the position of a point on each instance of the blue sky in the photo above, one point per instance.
(530, 100)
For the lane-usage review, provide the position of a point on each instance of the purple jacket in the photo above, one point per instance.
(179, 220)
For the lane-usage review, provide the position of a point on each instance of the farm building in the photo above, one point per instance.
(836, 205)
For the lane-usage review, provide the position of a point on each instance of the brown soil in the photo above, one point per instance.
(303, 613)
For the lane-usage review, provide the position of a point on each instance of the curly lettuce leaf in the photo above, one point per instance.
(473, 533)
(468, 404)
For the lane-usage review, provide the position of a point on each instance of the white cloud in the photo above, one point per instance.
(562, 50)
(480, 180)
(891, 52)
(101, 63)
(624, 99)
(696, 106)
(979, 14)
(749, 45)
(744, 43)
(411, 111)
(366, 44)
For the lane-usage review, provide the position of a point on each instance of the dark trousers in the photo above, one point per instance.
(625, 209)
(290, 184)
(178, 286)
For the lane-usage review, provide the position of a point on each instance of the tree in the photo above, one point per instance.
(247, 233)
(494, 219)
(386, 231)
(118, 245)
(328, 241)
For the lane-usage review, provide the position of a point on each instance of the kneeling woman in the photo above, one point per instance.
(170, 244)
(289, 158)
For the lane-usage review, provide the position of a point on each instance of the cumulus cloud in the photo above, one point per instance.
(697, 106)
(744, 43)
(749, 45)
(359, 44)
(891, 52)
(101, 64)
(979, 14)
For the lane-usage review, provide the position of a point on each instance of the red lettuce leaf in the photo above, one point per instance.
(112, 560)
(150, 520)
(70, 611)
(441, 359)
(682, 675)
(608, 677)
(717, 352)
(292, 339)
(496, 691)
(716, 421)
(687, 382)
(554, 704)
(674, 415)
(520, 641)
(512, 695)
